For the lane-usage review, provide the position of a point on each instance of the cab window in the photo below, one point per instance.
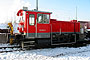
(31, 19)
(23, 17)
(43, 18)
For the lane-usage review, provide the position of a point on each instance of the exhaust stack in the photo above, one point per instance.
(36, 4)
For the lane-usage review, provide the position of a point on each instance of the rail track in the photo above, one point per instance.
(10, 48)
(71, 53)
(11, 51)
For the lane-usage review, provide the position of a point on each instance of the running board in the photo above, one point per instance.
(30, 37)
(29, 46)
(29, 42)
(63, 43)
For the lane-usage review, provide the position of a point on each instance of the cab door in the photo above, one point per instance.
(31, 23)
(43, 25)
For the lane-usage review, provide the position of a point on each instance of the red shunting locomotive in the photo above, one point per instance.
(36, 28)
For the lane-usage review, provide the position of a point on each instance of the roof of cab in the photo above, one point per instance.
(21, 10)
(38, 11)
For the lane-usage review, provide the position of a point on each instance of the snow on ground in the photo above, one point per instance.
(59, 53)
(3, 26)
(8, 49)
(7, 45)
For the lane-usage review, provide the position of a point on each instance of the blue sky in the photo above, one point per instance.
(61, 9)
(66, 9)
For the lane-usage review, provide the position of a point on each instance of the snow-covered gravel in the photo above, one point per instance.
(59, 53)
(8, 49)
(7, 45)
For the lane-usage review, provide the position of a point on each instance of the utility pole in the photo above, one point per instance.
(36, 4)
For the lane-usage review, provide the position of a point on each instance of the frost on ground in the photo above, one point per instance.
(60, 53)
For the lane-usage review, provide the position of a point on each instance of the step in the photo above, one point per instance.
(62, 43)
(29, 46)
(30, 37)
(29, 42)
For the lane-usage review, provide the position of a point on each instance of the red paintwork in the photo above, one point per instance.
(73, 21)
(43, 28)
(21, 23)
(77, 27)
(21, 29)
(65, 26)
(32, 28)
(20, 13)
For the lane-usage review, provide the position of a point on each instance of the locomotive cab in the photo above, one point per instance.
(34, 23)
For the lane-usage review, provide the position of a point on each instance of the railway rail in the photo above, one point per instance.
(13, 48)
(10, 48)
(76, 52)
(11, 51)
(69, 53)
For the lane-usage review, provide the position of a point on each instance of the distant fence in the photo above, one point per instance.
(3, 38)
